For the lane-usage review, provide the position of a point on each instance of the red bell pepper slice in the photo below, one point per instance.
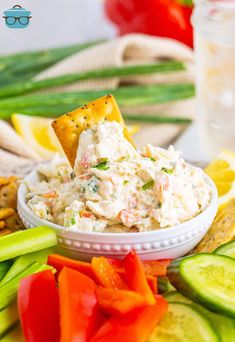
(152, 281)
(38, 303)
(106, 275)
(79, 313)
(151, 267)
(136, 278)
(132, 327)
(119, 302)
(59, 262)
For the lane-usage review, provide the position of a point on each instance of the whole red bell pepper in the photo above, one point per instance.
(132, 327)
(136, 278)
(38, 303)
(79, 313)
(119, 302)
(163, 18)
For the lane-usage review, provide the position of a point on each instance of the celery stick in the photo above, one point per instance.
(8, 291)
(23, 261)
(4, 267)
(15, 335)
(27, 241)
(8, 317)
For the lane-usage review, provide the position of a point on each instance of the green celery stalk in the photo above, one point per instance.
(9, 290)
(157, 119)
(8, 318)
(24, 261)
(27, 241)
(30, 85)
(4, 267)
(15, 335)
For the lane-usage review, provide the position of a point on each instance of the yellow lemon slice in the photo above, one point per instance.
(222, 171)
(38, 133)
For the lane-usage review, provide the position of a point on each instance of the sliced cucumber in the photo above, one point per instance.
(225, 326)
(183, 323)
(164, 285)
(206, 278)
(227, 249)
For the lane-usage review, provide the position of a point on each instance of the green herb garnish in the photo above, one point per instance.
(125, 182)
(102, 165)
(72, 221)
(148, 185)
(152, 159)
(169, 171)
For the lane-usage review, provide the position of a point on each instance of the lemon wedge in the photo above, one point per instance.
(222, 172)
(38, 133)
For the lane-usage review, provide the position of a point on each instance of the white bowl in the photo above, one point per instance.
(164, 243)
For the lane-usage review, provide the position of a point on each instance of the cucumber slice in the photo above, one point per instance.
(227, 249)
(206, 278)
(183, 323)
(164, 285)
(224, 326)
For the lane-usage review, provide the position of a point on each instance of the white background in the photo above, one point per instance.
(55, 23)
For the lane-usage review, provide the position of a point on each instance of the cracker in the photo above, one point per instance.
(6, 212)
(221, 231)
(8, 195)
(14, 222)
(6, 180)
(5, 232)
(2, 224)
(69, 126)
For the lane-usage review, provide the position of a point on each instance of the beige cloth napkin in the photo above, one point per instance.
(134, 49)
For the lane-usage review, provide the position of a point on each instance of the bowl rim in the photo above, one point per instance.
(201, 217)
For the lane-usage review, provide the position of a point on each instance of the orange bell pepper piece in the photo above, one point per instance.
(79, 313)
(59, 262)
(151, 267)
(136, 278)
(106, 275)
(132, 327)
(119, 302)
(152, 281)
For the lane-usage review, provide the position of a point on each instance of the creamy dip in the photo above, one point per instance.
(113, 187)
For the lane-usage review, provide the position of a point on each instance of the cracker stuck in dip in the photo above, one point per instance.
(113, 187)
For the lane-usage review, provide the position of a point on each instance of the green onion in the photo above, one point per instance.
(27, 64)
(148, 185)
(23, 242)
(73, 221)
(29, 86)
(102, 165)
(125, 182)
(169, 171)
(157, 119)
(60, 103)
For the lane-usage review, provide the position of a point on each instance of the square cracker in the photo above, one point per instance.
(69, 126)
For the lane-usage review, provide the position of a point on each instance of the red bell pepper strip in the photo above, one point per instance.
(38, 303)
(152, 281)
(106, 275)
(151, 267)
(132, 327)
(119, 302)
(59, 261)
(79, 314)
(136, 278)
